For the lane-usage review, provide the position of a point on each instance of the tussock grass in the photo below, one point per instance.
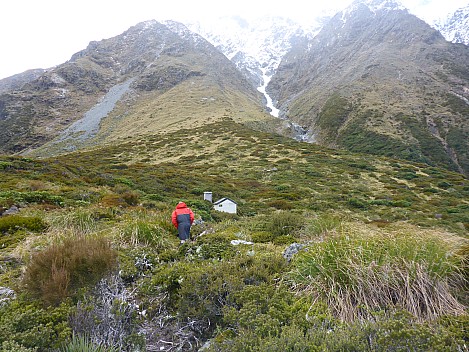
(80, 343)
(321, 225)
(357, 273)
(146, 228)
(81, 221)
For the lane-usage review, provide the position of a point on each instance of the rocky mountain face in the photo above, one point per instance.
(377, 79)
(153, 76)
(256, 45)
(456, 27)
(17, 81)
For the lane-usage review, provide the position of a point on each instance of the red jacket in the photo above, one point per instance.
(179, 212)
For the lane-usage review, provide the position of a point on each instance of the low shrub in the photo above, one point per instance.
(220, 216)
(26, 326)
(280, 204)
(444, 185)
(7, 240)
(60, 270)
(358, 203)
(265, 309)
(214, 246)
(39, 197)
(14, 228)
(113, 200)
(285, 239)
(201, 292)
(201, 208)
(206, 294)
(290, 328)
(262, 237)
(137, 262)
(131, 197)
(12, 223)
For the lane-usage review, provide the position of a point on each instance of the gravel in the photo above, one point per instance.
(88, 126)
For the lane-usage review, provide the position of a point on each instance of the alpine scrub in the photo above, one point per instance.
(330, 251)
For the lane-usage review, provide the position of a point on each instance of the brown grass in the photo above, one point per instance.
(60, 270)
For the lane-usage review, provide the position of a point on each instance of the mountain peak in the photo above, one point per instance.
(370, 7)
(377, 5)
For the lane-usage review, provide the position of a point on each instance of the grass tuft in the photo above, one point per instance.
(80, 343)
(357, 274)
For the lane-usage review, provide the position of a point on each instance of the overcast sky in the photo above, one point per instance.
(45, 33)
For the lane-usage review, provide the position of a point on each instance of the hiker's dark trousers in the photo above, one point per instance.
(184, 226)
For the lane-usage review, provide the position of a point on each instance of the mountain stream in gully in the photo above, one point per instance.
(299, 133)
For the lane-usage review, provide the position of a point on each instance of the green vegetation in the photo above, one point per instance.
(27, 326)
(333, 115)
(15, 228)
(379, 259)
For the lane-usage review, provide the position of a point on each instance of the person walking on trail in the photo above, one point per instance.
(182, 219)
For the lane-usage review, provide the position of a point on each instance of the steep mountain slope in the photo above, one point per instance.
(377, 79)
(255, 45)
(456, 27)
(151, 78)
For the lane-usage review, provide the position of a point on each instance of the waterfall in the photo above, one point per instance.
(270, 104)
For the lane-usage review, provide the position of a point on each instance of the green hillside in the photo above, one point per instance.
(91, 258)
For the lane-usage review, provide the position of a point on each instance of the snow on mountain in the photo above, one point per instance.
(379, 5)
(456, 27)
(181, 30)
(255, 45)
(374, 6)
(265, 39)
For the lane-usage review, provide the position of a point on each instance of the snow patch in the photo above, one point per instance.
(375, 6)
(455, 28)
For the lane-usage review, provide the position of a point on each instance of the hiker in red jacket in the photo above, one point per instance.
(182, 219)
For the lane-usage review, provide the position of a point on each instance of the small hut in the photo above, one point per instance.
(226, 205)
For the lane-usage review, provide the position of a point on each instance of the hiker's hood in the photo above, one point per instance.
(181, 205)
